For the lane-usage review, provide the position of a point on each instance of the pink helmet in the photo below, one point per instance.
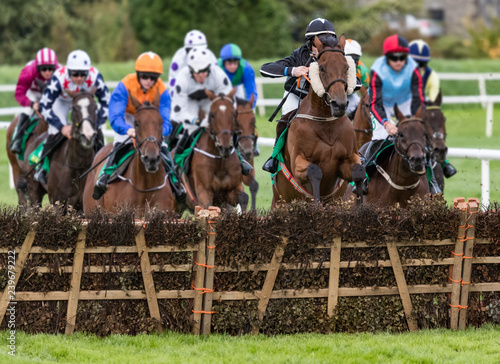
(46, 56)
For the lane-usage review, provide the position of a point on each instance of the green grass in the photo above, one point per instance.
(426, 346)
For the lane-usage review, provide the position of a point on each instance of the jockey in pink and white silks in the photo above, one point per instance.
(78, 74)
(35, 74)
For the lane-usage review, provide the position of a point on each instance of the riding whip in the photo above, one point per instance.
(105, 157)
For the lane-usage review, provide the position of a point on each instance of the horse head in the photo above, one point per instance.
(245, 127)
(333, 75)
(411, 140)
(148, 124)
(222, 122)
(433, 115)
(84, 117)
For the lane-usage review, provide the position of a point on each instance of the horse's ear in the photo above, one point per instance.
(135, 103)
(398, 113)
(41, 85)
(363, 91)
(71, 93)
(94, 90)
(420, 111)
(210, 94)
(156, 101)
(231, 94)
(318, 44)
(439, 98)
(252, 98)
(342, 42)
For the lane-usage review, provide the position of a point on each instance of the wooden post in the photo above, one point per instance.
(20, 261)
(76, 278)
(456, 270)
(333, 283)
(267, 288)
(401, 282)
(467, 258)
(147, 276)
(200, 258)
(209, 278)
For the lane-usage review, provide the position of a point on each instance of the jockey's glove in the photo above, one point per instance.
(198, 95)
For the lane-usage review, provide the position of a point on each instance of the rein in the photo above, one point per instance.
(337, 79)
(214, 134)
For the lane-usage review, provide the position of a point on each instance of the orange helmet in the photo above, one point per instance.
(149, 62)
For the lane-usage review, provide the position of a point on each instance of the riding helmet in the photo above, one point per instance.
(200, 59)
(149, 62)
(230, 51)
(318, 26)
(420, 51)
(395, 44)
(46, 56)
(78, 60)
(195, 38)
(352, 47)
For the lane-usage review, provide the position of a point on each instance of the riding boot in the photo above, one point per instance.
(373, 148)
(99, 140)
(271, 165)
(101, 185)
(41, 174)
(256, 151)
(16, 143)
(351, 114)
(448, 169)
(433, 184)
(246, 168)
(172, 138)
(174, 179)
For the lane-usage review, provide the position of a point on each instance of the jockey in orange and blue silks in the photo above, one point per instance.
(144, 85)
(239, 72)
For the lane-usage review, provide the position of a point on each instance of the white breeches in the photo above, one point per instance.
(379, 131)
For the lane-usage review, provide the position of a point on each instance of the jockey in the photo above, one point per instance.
(394, 79)
(421, 53)
(293, 66)
(28, 91)
(188, 96)
(353, 49)
(78, 74)
(144, 86)
(193, 39)
(241, 75)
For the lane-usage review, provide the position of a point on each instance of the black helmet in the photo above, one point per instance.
(319, 26)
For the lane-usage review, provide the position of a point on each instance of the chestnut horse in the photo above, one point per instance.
(145, 182)
(362, 122)
(73, 156)
(245, 130)
(215, 172)
(434, 116)
(321, 145)
(402, 175)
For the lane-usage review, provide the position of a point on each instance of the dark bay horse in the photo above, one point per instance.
(145, 182)
(362, 122)
(402, 175)
(215, 173)
(245, 130)
(74, 156)
(434, 116)
(321, 145)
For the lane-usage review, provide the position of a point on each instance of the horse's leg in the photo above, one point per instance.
(353, 170)
(254, 187)
(315, 174)
(438, 174)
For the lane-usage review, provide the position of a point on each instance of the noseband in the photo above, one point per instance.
(404, 153)
(214, 134)
(149, 139)
(337, 79)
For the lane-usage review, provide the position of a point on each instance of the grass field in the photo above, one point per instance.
(426, 346)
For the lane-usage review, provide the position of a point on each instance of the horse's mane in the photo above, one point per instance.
(328, 40)
(240, 101)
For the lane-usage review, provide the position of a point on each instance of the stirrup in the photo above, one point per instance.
(100, 187)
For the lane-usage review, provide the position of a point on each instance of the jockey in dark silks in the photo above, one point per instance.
(421, 53)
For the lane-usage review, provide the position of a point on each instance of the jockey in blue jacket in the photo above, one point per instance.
(241, 75)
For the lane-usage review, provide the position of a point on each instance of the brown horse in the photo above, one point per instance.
(362, 122)
(215, 172)
(245, 130)
(145, 182)
(434, 116)
(321, 145)
(74, 156)
(402, 175)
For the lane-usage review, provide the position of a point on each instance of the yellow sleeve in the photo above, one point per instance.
(432, 86)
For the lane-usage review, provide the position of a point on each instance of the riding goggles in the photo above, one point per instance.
(149, 76)
(78, 73)
(46, 68)
(397, 57)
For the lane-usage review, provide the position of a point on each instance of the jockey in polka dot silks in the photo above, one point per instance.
(33, 77)
(189, 97)
(78, 74)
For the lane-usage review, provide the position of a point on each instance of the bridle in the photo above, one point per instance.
(240, 137)
(76, 124)
(436, 133)
(335, 80)
(150, 139)
(367, 130)
(214, 135)
(404, 153)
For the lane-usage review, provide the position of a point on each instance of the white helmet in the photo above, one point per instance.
(195, 38)
(78, 60)
(352, 47)
(200, 59)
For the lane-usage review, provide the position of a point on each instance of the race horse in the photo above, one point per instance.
(362, 122)
(73, 156)
(245, 131)
(144, 183)
(320, 148)
(215, 170)
(402, 174)
(434, 116)
(29, 191)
